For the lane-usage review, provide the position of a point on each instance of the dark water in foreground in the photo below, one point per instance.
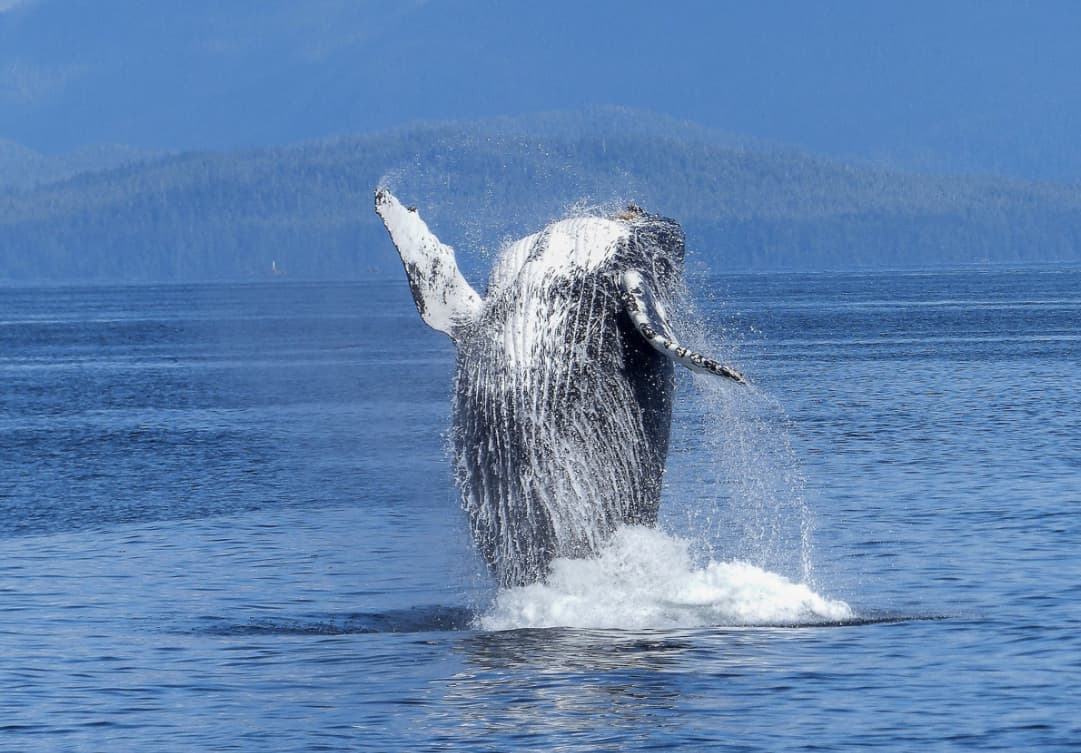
(226, 523)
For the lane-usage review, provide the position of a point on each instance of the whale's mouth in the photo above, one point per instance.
(650, 319)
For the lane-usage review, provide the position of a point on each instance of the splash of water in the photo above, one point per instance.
(474, 217)
(645, 578)
(735, 484)
(738, 524)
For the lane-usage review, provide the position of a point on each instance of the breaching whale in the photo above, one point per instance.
(563, 390)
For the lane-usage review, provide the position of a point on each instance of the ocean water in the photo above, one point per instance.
(228, 523)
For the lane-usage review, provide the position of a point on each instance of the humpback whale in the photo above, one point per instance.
(563, 389)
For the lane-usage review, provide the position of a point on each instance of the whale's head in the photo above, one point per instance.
(647, 270)
(653, 247)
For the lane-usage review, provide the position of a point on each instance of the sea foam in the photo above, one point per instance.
(645, 579)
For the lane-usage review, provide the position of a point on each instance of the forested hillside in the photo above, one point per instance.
(307, 208)
(21, 167)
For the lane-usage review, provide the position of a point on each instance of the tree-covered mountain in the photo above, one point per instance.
(22, 167)
(307, 208)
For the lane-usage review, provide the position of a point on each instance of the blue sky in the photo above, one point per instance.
(984, 86)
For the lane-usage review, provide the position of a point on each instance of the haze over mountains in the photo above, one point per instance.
(199, 140)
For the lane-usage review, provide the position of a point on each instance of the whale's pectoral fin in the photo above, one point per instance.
(650, 320)
(445, 300)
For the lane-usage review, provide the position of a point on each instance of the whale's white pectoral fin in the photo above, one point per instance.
(649, 318)
(444, 299)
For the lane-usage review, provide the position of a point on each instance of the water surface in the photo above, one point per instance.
(229, 524)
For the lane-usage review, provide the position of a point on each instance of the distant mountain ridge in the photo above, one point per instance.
(306, 208)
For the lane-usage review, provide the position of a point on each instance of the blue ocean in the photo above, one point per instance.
(229, 523)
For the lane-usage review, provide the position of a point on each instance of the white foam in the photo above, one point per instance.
(645, 578)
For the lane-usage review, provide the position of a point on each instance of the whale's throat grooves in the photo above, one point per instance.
(561, 420)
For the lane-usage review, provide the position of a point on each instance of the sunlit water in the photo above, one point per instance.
(229, 524)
